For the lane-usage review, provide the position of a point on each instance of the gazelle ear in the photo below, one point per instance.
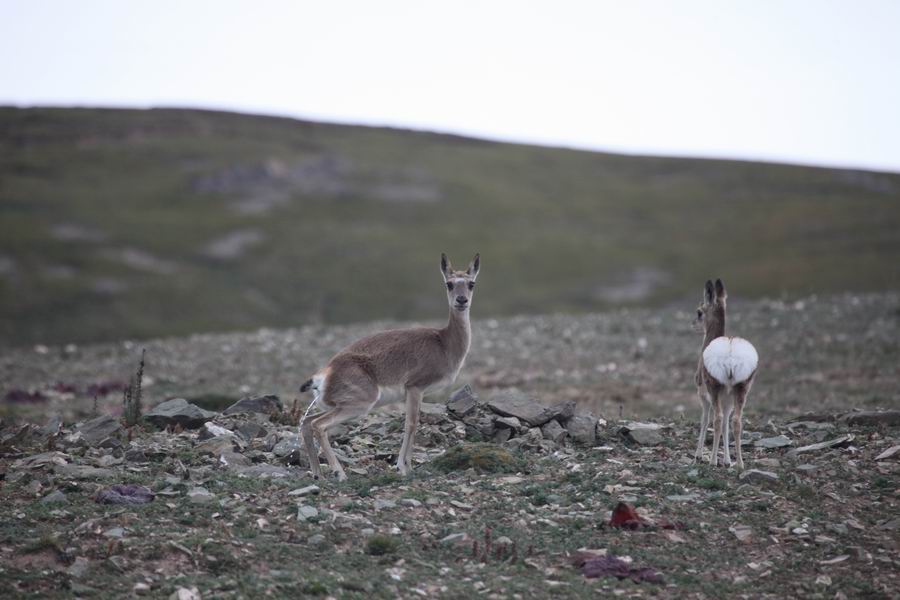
(474, 266)
(720, 290)
(446, 269)
(709, 293)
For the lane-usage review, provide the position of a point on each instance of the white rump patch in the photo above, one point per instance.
(730, 360)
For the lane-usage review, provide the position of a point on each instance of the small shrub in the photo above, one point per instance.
(314, 588)
(379, 545)
(132, 396)
(484, 458)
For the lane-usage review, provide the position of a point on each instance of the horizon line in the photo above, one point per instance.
(479, 136)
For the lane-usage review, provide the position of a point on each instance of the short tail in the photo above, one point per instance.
(306, 385)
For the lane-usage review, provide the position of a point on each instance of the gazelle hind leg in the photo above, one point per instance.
(306, 434)
(717, 426)
(727, 411)
(739, 399)
(704, 424)
(322, 423)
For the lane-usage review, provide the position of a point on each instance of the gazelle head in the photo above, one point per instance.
(711, 311)
(460, 284)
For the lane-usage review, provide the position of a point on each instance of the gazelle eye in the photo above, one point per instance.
(471, 285)
(450, 285)
(699, 314)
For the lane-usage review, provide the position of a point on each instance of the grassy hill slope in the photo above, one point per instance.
(128, 223)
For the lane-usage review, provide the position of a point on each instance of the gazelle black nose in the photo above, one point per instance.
(462, 300)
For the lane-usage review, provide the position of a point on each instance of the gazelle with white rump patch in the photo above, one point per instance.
(417, 360)
(727, 364)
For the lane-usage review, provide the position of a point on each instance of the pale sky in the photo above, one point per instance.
(815, 82)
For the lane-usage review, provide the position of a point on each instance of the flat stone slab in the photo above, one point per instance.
(758, 476)
(268, 404)
(771, 443)
(96, 430)
(644, 436)
(520, 406)
(838, 441)
(553, 431)
(462, 401)
(178, 411)
(891, 418)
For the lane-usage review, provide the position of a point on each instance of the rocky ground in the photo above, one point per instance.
(564, 469)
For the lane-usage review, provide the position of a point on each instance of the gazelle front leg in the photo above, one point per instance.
(413, 404)
(704, 423)
(717, 426)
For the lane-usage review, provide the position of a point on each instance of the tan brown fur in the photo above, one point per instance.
(416, 359)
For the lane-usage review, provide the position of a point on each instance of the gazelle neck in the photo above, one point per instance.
(457, 333)
(715, 329)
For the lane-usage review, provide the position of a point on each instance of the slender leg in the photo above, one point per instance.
(413, 403)
(717, 426)
(322, 423)
(726, 425)
(307, 434)
(704, 423)
(739, 400)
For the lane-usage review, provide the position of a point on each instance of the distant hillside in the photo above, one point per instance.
(128, 223)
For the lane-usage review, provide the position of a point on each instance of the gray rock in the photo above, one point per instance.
(264, 470)
(53, 425)
(315, 540)
(410, 502)
(310, 490)
(462, 401)
(82, 472)
(563, 411)
(251, 430)
(432, 414)
(516, 404)
(200, 495)
(382, 503)
(114, 532)
(79, 567)
(306, 512)
(288, 444)
(217, 445)
(509, 422)
(683, 497)
(889, 418)
(836, 442)
(757, 476)
(455, 538)
(502, 434)
(479, 426)
(268, 404)
(97, 430)
(771, 443)
(234, 460)
(582, 429)
(553, 431)
(135, 455)
(211, 430)
(645, 437)
(178, 411)
(55, 497)
(889, 453)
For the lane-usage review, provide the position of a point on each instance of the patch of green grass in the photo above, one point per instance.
(483, 457)
(379, 545)
(710, 483)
